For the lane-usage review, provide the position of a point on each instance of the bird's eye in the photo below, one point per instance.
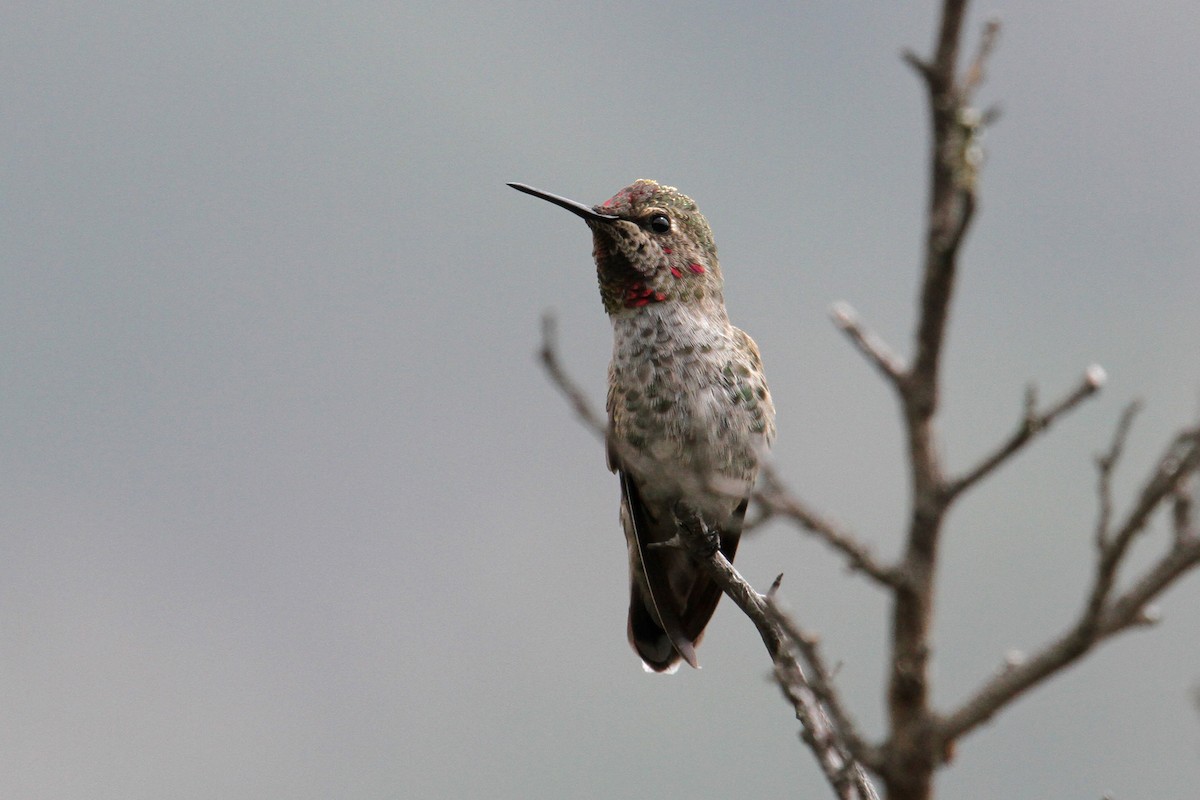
(659, 223)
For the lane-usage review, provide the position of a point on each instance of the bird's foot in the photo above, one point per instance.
(697, 537)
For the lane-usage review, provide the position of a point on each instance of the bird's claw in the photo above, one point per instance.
(699, 539)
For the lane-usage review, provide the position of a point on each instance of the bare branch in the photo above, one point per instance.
(1014, 679)
(1105, 464)
(1181, 512)
(808, 645)
(1180, 460)
(1133, 607)
(911, 750)
(870, 345)
(946, 52)
(839, 765)
(1031, 425)
(953, 167)
(1129, 610)
(987, 42)
(920, 65)
(775, 497)
(1103, 615)
(579, 402)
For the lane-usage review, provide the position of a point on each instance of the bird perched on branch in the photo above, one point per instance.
(690, 415)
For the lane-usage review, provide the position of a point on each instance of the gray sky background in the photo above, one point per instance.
(289, 510)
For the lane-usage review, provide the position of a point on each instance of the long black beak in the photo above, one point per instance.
(570, 205)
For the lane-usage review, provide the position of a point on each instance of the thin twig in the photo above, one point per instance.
(1175, 465)
(821, 680)
(1181, 512)
(781, 502)
(987, 42)
(1102, 615)
(871, 346)
(1031, 425)
(1129, 610)
(1105, 464)
(922, 67)
(1132, 607)
(827, 743)
(548, 353)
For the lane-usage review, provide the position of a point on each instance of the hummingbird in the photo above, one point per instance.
(689, 413)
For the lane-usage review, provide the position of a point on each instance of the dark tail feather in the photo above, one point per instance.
(649, 640)
(705, 594)
(654, 608)
(668, 615)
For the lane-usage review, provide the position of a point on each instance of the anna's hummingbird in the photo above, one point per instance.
(689, 412)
